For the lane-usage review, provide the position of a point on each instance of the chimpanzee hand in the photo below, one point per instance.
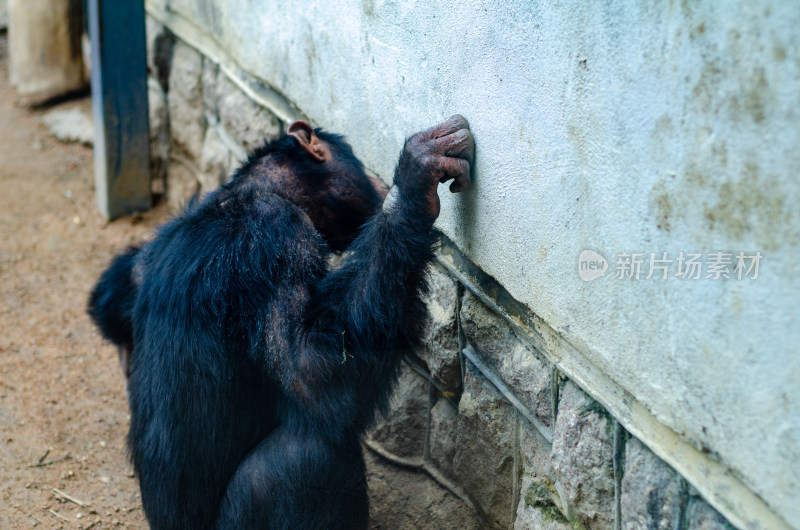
(436, 155)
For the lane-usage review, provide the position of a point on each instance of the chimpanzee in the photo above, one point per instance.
(254, 368)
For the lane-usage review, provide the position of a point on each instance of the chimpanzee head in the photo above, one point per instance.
(318, 171)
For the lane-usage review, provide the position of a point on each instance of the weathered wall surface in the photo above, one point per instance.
(620, 129)
(3, 14)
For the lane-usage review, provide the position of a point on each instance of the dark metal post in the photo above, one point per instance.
(119, 104)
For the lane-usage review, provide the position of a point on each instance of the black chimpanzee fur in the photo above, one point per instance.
(255, 368)
(111, 304)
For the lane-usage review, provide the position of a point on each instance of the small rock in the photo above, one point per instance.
(70, 125)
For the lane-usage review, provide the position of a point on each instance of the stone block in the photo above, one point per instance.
(185, 97)
(246, 121)
(535, 452)
(702, 516)
(582, 459)
(402, 430)
(539, 503)
(209, 81)
(652, 494)
(214, 161)
(522, 369)
(235, 161)
(533, 517)
(159, 133)
(182, 185)
(440, 344)
(484, 457)
(442, 436)
(160, 43)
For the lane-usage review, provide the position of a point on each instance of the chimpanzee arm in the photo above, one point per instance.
(375, 295)
(367, 313)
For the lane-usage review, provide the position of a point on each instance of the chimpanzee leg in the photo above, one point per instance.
(292, 481)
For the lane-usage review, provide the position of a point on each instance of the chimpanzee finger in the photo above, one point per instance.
(449, 126)
(459, 144)
(457, 186)
(457, 169)
(461, 182)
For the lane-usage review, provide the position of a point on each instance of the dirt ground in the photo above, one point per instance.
(63, 412)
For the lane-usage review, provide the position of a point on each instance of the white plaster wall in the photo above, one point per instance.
(617, 127)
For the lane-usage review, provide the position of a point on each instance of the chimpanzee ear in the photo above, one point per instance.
(309, 141)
